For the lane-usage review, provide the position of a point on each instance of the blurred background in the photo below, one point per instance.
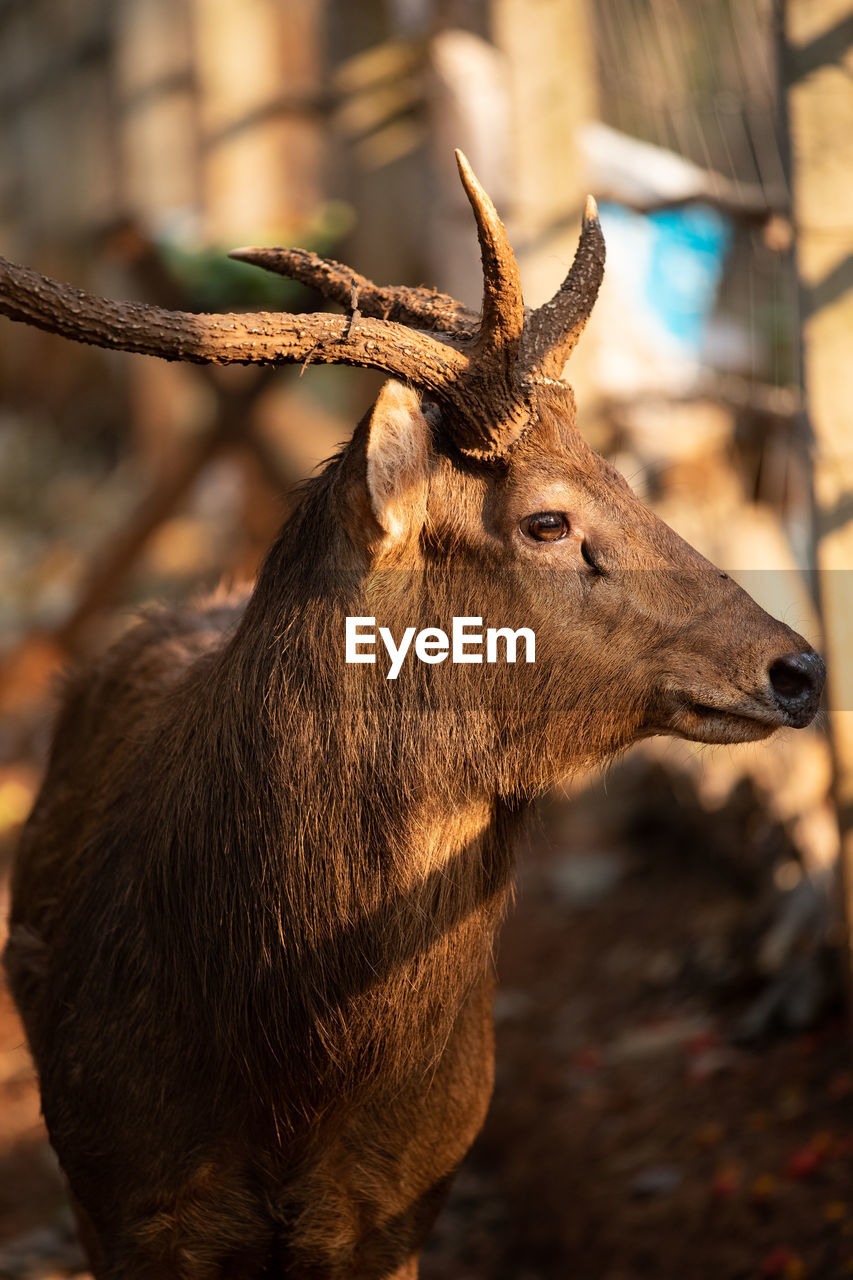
(674, 1081)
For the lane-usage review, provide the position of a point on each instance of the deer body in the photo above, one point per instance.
(255, 906)
(320, 992)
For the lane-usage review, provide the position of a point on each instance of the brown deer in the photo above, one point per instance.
(255, 906)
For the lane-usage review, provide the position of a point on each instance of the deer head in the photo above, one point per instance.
(470, 479)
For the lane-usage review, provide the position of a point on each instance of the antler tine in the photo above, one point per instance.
(553, 329)
(502, 320)
(255, 338)
(421, 307)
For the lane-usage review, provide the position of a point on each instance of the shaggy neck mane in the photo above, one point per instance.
(366, 858)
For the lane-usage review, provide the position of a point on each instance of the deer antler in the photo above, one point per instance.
(420, 307)
(502, 320)
(552, 330)
(255, 338)
(482, 374)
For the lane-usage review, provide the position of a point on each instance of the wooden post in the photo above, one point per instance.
(511, 96)
(818, 62)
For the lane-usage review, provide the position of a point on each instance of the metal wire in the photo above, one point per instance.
(700, 79)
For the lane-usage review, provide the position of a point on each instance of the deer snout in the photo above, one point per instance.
(797, 681)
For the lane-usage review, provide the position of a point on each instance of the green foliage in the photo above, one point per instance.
(215, 282)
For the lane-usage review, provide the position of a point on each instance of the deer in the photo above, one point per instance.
(255, 907)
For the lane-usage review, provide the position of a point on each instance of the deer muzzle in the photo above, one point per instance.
(784, 693)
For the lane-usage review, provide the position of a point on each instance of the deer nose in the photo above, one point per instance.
(797, 682)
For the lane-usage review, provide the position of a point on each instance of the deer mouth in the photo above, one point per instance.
(701, 722)
(748, 720)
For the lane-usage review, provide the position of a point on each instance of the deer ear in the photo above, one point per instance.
(398, 460)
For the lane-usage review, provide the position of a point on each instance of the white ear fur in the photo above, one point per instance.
(397, 460)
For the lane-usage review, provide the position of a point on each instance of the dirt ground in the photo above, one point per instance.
(633, 1132)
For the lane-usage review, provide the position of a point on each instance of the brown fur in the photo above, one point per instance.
(255, 905)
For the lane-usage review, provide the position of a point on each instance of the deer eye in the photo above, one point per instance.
(545, 526)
